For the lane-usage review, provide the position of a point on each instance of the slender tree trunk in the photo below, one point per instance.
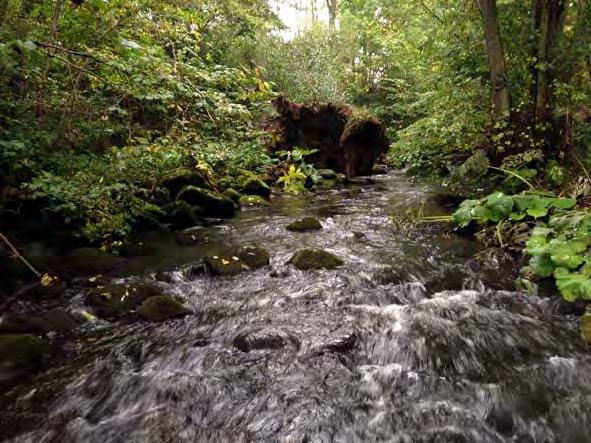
(501, 94)
(548, 21)
(332, 13)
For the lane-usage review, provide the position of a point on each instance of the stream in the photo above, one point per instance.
(412, 340)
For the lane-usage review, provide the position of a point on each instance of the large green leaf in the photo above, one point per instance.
(574, 286)
(542, 265)
(567, 254)
(538, 207)
(564, 203)
(500, 206)
(463, 215)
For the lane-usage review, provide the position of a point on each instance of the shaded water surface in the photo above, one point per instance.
(411, 341)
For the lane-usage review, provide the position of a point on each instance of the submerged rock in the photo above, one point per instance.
(253, 200)
(55, 320)
(361, 181)
(20, 352)
(379, 169)
(315, 259)
(305, 224)
(268, 338)
(210, 203)
(161, 308)
(116, 300)
(181, 215)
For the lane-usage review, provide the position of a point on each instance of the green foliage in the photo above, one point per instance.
(293, 181)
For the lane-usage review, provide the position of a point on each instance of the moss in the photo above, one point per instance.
(232, 194)
(327, 184)
(305, 224)
(116, 300)
(58, 320)
(161, 308)
(315, 259)
(255, 186)
(180, 178)
(327, 174)
(254, 257)
(182, 215)
(225, 265)
(253, 200)
(212, 204)
(21, 349)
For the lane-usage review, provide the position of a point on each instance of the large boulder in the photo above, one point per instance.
(40, 323)
(237, 260)
(255, 186)
(117, 300)
(307, 259)
(211, 203)
(347, 140)
(178, 179)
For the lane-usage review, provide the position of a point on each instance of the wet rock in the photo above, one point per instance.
(226, 265)
(283, 273)
(194, 270)
(255, 186)
(379, 169)
(212, 221)
(211, 204)
(315, 259)
(161, 308)
(360, 181)
(359, 235)
(255, 257)
(233, 195)
(327, 174)
(237, 261)
(178, 180)
(339, 345)
(191, 236)
(501, 419)
(20, 353)
(305, 224)
(116, 300)
(55, 320)
(326, 185)
(263, 339)
(253, 200)
(181, 215)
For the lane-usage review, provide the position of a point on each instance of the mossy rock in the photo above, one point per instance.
(253, 200)
(326, 185)
(182, 215)
(304, 225)
(179, 179)
(212, 204)
(255, 257)
(117, 300)
(379, 169)
(54, 320)
(20, 352)
(161, 308)
(315, 259)
(586, 328)
(237, 260)
(327, 174)
(233, 195)
(255, 186)
(360, 181)
(225, 265)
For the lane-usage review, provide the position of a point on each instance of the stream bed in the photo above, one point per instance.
(412, 340)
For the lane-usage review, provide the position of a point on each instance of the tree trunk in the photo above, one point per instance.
(501, 94)
(548, 20)
(332, 13)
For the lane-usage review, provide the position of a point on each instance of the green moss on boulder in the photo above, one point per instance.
(255, 186)
(211, 203)
(54, 320)
(315, 259)
(253, 200)
(305, 224)
(232, 194)
(117, 300)
(179, 179)
(182, 215)
(255, 257)
(161, 308)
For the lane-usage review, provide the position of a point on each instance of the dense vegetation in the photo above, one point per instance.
(101, 101)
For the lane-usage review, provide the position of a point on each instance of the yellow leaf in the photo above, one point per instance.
(235, 258)
(225, 262)
(87, 316)
(48, 280)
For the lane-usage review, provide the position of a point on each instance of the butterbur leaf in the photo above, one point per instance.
(574, 286)
(542, 265)
(500, 206)
(517, 216)
(564, 203)
(463, 215)
(481, 214)
(567, 254)
(523, 202)
(538, 207)
(537, 245)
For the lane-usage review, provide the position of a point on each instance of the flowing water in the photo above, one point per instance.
(412, 340)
